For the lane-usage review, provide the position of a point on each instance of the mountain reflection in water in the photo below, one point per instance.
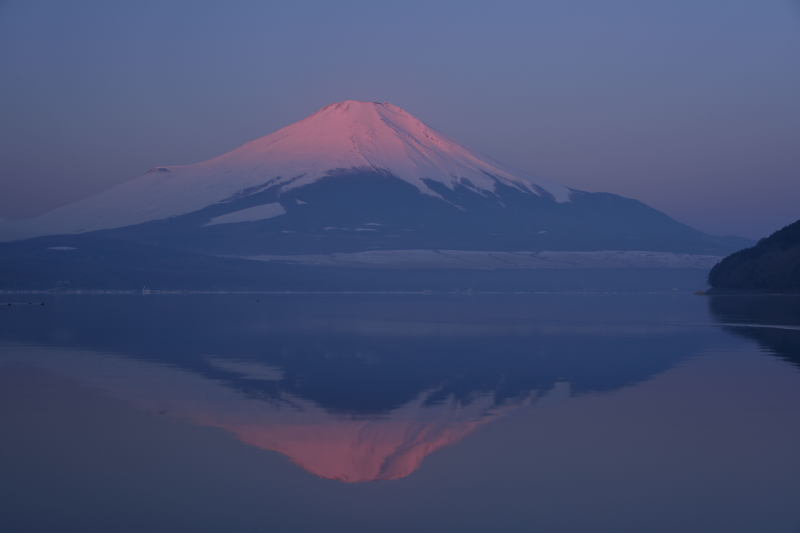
(354, 389)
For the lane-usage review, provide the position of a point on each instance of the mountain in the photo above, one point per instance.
(358, 176)
(341, 139)
(772, 264)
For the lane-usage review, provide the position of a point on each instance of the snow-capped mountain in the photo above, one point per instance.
(350, 135)
(361, 176)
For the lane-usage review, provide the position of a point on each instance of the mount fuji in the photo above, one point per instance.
(356, 177)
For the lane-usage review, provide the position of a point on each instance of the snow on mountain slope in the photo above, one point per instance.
(345, 135)
(251, 214)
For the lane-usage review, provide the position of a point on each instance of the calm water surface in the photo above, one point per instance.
(552, 412)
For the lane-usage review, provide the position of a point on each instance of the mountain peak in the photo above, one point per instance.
(380, 136)
(347, 105)
(350, 135)
(359, 110)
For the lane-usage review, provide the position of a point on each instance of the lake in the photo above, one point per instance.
(606, 411)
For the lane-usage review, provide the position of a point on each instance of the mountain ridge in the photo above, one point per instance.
(353, 177)
(773, 264)
(349, 136)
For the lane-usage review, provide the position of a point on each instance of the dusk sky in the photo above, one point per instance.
(690, 105)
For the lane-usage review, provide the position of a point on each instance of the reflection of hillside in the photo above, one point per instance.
(373, 355)
(349, 389)
(773, 321)
(357, 449)
(342, 447)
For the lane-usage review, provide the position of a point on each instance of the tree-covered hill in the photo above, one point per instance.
(772, 264)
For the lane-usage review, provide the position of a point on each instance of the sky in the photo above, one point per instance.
(690, 105)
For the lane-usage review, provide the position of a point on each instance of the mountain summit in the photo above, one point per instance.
(360, 176)
(371, 136)
(346, 136)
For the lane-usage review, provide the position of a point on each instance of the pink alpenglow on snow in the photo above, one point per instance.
(346, 135)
